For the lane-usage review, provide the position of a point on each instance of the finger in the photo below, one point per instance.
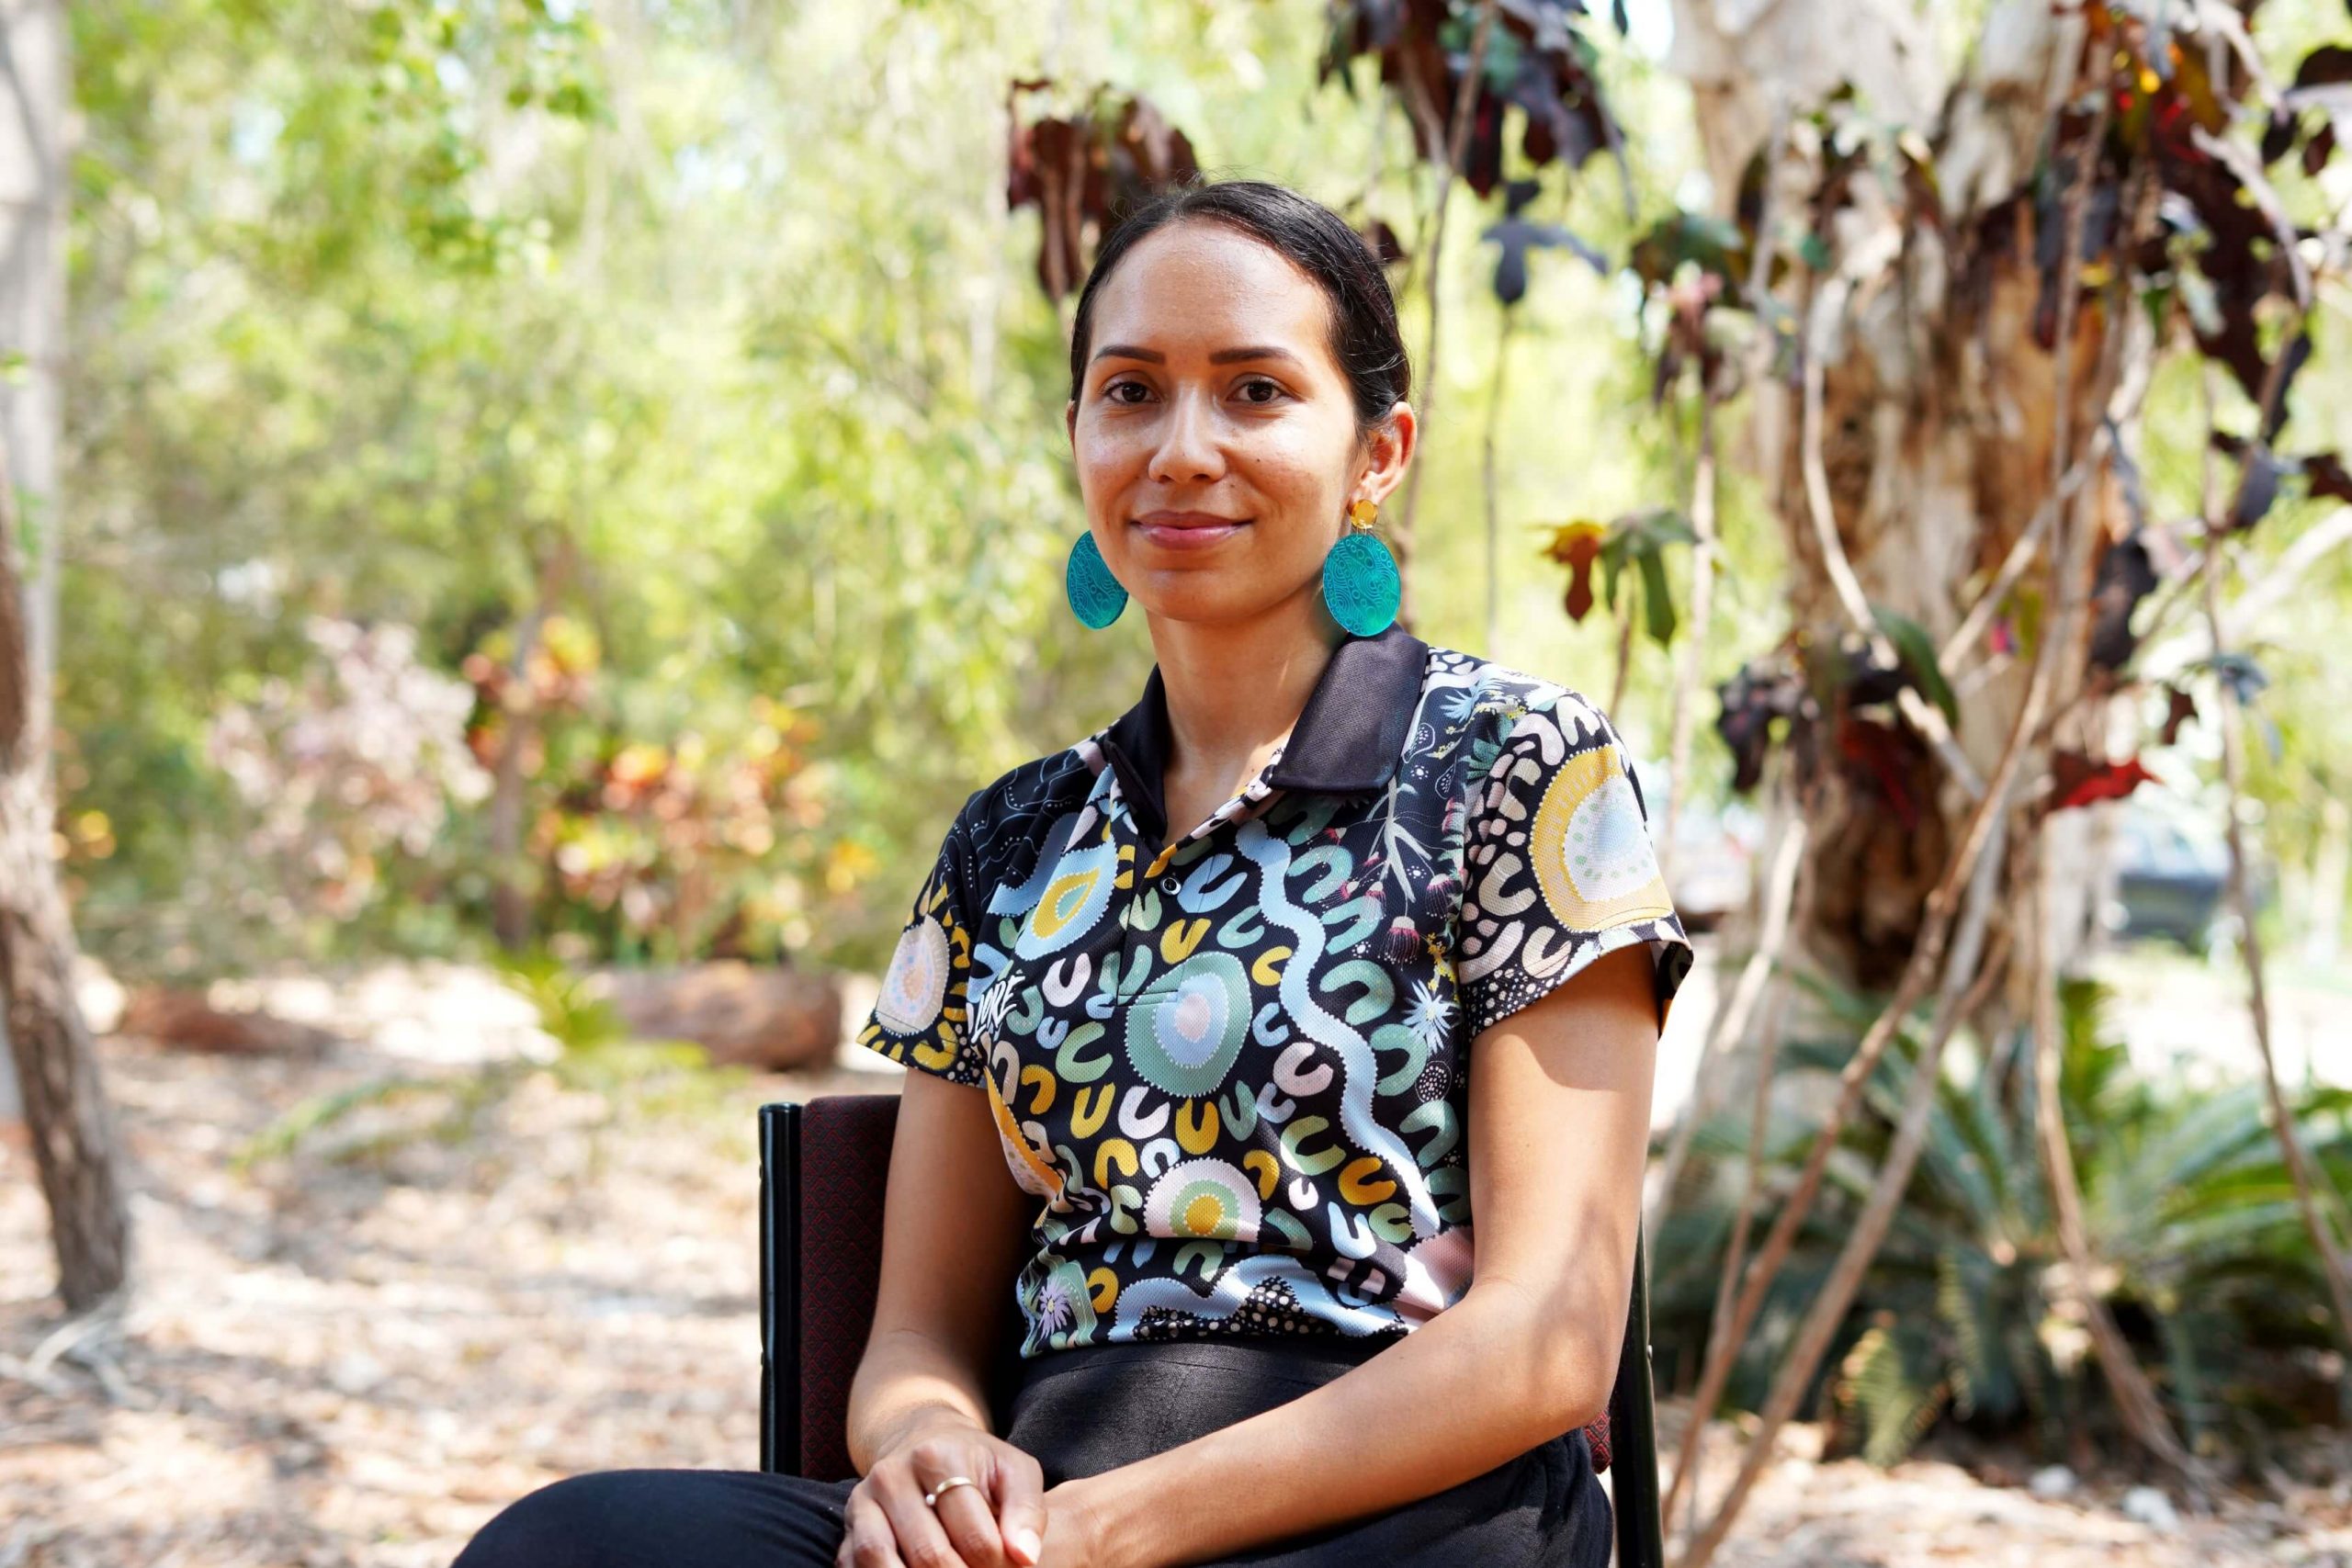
(1019, 1494)
(921, 1542)
(867, 1538)
(963, 1513)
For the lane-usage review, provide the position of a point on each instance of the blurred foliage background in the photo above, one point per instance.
(696, 337)
(710, 341)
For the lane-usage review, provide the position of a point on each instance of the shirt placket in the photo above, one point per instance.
(1251, 799)
(1152, 868)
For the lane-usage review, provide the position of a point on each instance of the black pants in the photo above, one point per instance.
(1079, 1413)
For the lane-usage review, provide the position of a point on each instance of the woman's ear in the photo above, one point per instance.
(1389, 448)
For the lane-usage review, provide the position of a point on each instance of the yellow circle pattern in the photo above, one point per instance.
(1590, 849)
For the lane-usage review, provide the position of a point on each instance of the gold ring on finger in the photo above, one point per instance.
(931, 1497)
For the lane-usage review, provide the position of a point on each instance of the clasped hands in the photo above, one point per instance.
(1006, 1519)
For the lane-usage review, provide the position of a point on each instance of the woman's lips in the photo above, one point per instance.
(1188, 534)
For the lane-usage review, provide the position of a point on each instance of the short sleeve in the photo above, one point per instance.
(919, 1017)
(1557, 866)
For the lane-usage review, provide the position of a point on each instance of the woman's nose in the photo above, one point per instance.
(1188, 446)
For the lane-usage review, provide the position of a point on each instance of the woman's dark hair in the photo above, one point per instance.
(1365, 339)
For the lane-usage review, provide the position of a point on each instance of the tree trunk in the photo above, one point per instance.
(509, 902)
(1944, 427)
(511, 892)
(32, 318)
(70, 1137)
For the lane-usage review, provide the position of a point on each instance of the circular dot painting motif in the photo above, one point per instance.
(914, 988)
(1591, 850)
(1186, 1027)
(1074, 900)
(1206, 1199)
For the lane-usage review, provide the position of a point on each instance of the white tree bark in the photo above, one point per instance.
(34, 97)
(71, 1133)
(1745, 59)
(1942, 414)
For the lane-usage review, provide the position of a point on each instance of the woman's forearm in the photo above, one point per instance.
(1482, 1382)
(906, 1381)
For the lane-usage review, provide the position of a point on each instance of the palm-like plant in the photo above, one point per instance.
(2204, 1260)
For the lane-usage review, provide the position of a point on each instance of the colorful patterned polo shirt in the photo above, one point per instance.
(1234, 1071)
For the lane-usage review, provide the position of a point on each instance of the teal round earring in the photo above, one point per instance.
(1095, 596)
(1361, 587)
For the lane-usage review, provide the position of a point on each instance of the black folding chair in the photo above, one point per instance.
(823, 1167)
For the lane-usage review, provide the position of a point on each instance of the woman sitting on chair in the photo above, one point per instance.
(1192, 1006)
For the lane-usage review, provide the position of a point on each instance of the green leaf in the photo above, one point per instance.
(1612, 561)
(1657, 602)
(1918, 656)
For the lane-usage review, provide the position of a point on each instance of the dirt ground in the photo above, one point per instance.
(357, 1353)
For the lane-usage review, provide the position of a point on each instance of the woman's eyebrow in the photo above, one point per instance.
(1222, 356)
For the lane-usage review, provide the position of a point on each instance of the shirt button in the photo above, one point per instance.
(1168, 885)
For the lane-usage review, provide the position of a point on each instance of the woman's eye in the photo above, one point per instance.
(1258, 392)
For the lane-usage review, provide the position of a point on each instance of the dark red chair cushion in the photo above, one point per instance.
(844, 1167)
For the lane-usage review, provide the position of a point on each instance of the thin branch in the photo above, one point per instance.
(1828, 1309)
(2135, 1400)
(1457, 142)
(2284, 576)
(2288, 574)
(2070, 268)
(2230, 27)
(1691, 664)
(1743, 1227)
(1731, 1019)
(1624, 648)
(1767, 236)
(1487, 475)
(1959, 648)
(2333, 1263)
(2072, 564)
(1926, 963)
(1924, 717)
(1793, 864)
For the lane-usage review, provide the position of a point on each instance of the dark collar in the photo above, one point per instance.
(1348, 738)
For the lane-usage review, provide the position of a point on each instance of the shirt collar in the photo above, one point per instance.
(1348, 737)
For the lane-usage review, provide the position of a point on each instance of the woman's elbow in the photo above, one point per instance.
(1567, 1361)
(1579, 1367)
(1580, 1355)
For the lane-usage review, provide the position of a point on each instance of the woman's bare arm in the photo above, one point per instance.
(952, 1229)
(1559, 1128)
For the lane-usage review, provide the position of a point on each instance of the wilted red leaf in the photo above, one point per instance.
(1888, 759)
(2179, 708)
(1086, 169)
(1576, 546)
(2077, 779)
(1382, 242)
(2319, 150)
(2328, 477)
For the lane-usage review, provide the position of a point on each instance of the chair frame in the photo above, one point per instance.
(1632, 1421)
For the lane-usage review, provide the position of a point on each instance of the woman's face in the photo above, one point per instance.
(1215, 433)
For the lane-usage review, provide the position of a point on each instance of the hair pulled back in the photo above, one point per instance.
(1365, 338)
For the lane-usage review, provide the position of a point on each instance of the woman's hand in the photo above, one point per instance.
(998, 1522)
(1074, 1532)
